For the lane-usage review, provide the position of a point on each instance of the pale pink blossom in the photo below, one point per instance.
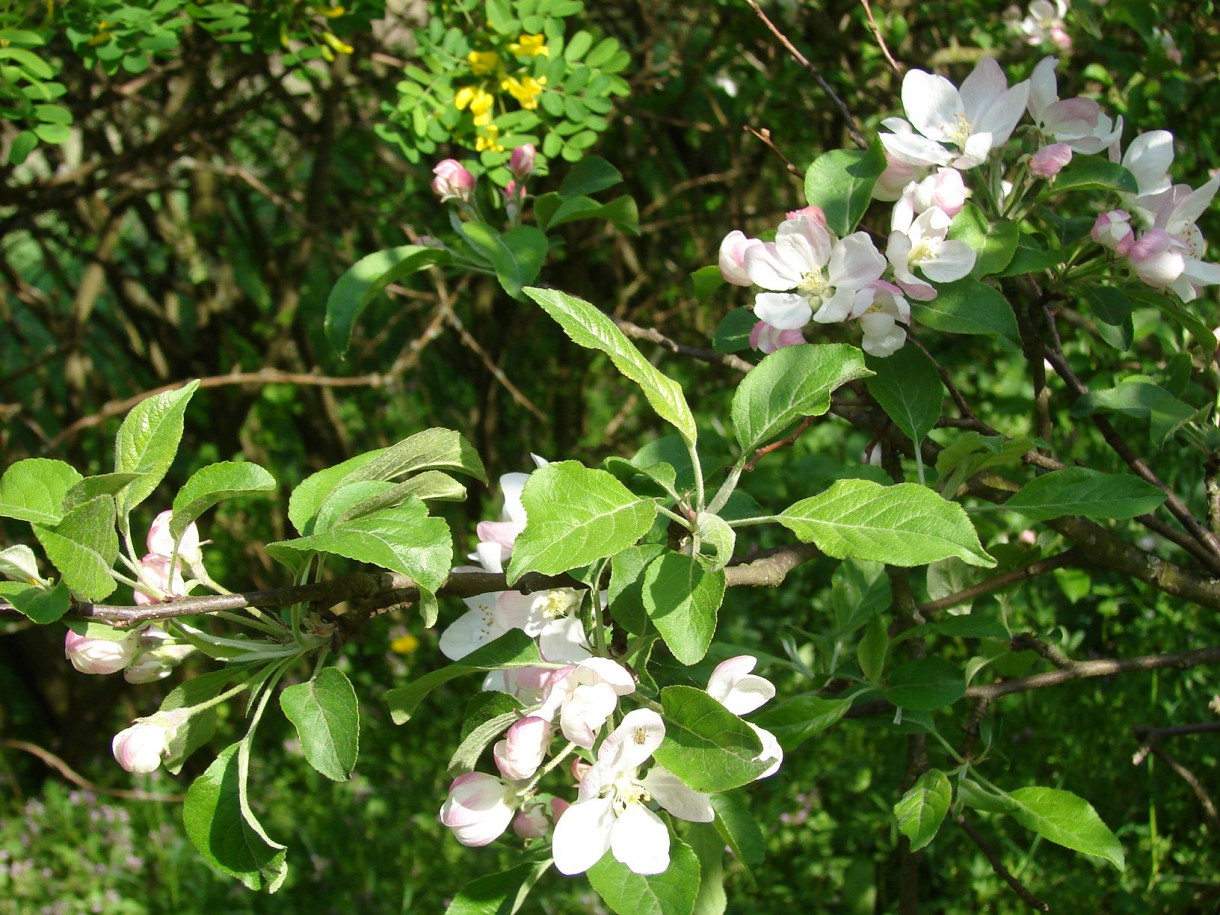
(767, 339)
(1049, 161)
(97, 655)
(944, 188)
(161, 541)
(523, 161)
(1045, 23)
(159, 584)
(738, 689)
(141, 747)
(815, 213)
(898, 174)
(453, 181)
(479, 808)
(1078, 122)
(732, 257)
(531, 821)
(523, 748)
(922, 244)
(1113, 230)
(584, 696)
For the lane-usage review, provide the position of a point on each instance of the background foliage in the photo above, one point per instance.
(185, 183)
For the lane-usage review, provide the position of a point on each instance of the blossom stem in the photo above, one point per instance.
(541, 773)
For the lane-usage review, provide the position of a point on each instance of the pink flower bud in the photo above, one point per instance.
(579, 768)
(767, 339)
(141, 747)
(523, 748)
(478, 809)
(453, 181)
(531, 822)
(522, 161)
(156, 577)
(98, 656)
(1050, 160)
(161, 541)
(1157, 258)
(733, 257)
(949, 191)
(559, 805)
(1113, 230)
(514, 197)
(812, 213)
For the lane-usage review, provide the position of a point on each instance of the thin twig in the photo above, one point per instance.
(997, 865)
(872, 24)
(71, 775)
(1003, 580)
(763, 135)
(703, 355)
(1205, 800)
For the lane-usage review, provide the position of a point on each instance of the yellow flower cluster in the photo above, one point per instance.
(530, 46)
(481, 102)
(525, 90)
(478, 100)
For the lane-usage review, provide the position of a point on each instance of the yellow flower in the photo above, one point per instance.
(483, 62)
(525, 90)
(488, 138)
(404, 644)
(530, 46)
(478, 100)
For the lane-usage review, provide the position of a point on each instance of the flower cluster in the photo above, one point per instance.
(454, 183)
(808, 274)
(497, 73)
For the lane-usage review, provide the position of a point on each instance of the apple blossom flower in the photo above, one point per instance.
(161, 541)
(479, 808)
(816, 213)
(141, 747)
(1171, 253)
(809, 275)
(611, 812)
(527, 684)
(531, 821)
(546, 615)
(1078, 122)
(881, 319)
(523, 748)
(732, 257)
(976, 119)
(522, 161)
(1113, 230)
(1148, 158)
(922, 243)
(734, 686)
(1050, 160)
(767, 339)
(898, 174)
(99, 656)
(944, 188)
(1045, 24)
(584, 696)
(453, 181)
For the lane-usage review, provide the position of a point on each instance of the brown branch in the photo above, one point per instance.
(997, 865)
(1151, 745)
(1003, 580)
(71, 775)
(704, 355)
(784, 442)
(763, 135)
(872, 24)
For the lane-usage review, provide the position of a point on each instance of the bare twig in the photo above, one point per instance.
(1150, 744)
(872, 24)
(1003, 580)
(997, 865)
(71, 775)
(703, 355)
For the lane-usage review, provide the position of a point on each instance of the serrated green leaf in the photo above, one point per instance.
(590, 175)
(575, 516)
(39, 605)
(1112, 310)
(1140, 398)
(220, 831)
(1090, 493)
(493, 894)
(83, 547)
(105, 484)
(1092, 173)
(733, 332)
(367, 279)
(515, 255)
(1068, 820)
(922, 809)
(904, 524)
(147, 442)
(995, 242)
(841, 183)
(466, 756)
(672, 892)
(591, 329)
(326, 715)
(309, 497)
(215, 483)
(432, 449)
(908, 388)
(739, 830)
(871, 650)
(33, 490)
(926, 684)
(682, 599)
(969, 307)
(706, 745)
(789, 384)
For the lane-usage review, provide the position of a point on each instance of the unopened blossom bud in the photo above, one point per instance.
(767, 339)
(478, 809)
(514, 196)
(531, 822)
(453, 181)
(522, 161)
(1157, 258)
(733, 257)
(158, 656)
(523, 748)
(816, 214)
(1050, 160)
(98, 656)
(1113, 230)
(161, 541)
(141, 747)
(156, 578)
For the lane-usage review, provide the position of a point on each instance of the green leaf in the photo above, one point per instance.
(23, 144)
(40, 605)
(515, 255)
(908, 388)
(198, 729)
(858, 592)
(1068, 820)
(871, 650)
(20, 564)
(682, 600)
(1112, 310)
(705, 841)
(590, 175)
(969, 307)
(220, 831)
(739, 829)
(591, 329)
(904, 524)
(995, 243)
(83, 547)
(575, 516)
(148, 441)
(706, 745)
(215, 483)
(105, 484)
(791, 383)
(841, 183)
(367, 279)
(33, 490)
(1091, 493)
(671, 892)
(466, 756)
(432, 449)
(431, 484)
(1092, 173)
(733, 332)
(309, 497)
(1140, 398)
(493, 894)
(715, 532)
(326, 714)
(552, 210)
(626, 592)
(926, 685)
(511, 650)
(923, 808)
(402, 539)
(796, 720)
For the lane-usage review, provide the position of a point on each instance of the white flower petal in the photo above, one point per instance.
(931, 102)
(582, 835)
(640, 840)
(783, 310)
(677, 797)
(476, 627)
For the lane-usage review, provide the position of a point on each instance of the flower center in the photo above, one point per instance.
(627, 790)
(958, 130)
(556, 603)
(925, 249)
(814, 287)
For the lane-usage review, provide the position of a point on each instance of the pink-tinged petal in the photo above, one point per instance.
(804, 242)
(1148, 158)
(584, 712)
(983, 87)
(523, 748)
(855, 261)
(732, 257)
(767, 339)
(771, 750)
(914, 150)
(99, 656)
(640, 840)
(783, 310)
(883, 336)
(974, 153)
(931, 102)
(955, 261)
(1157, 258)
(1050, 160)
(675, 796)
(766, 267)
(582, 835)
(1195, 205)
(140, 748)
(563, 641)
(609, 672)
(1043, 88)
(920, 292)
(1202, 273)
(478, 809)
